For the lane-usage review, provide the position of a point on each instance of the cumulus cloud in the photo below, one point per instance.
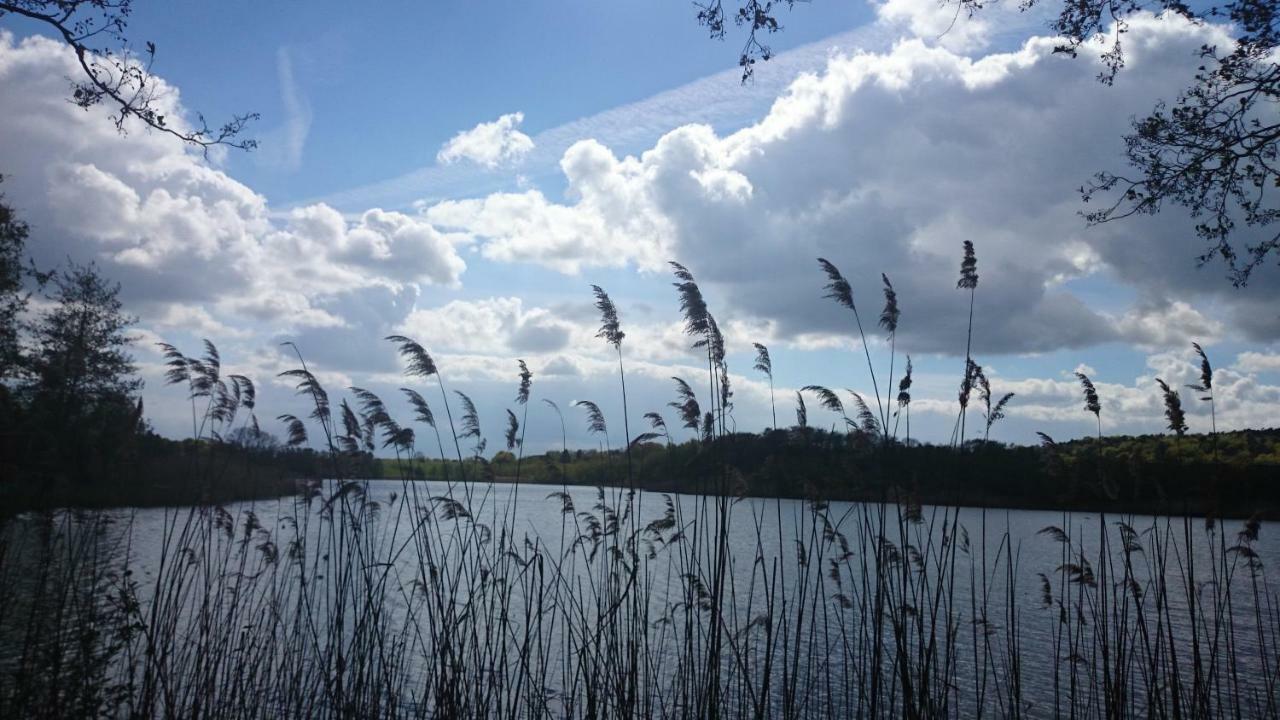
(945, 23)
(1256, 362)
(195, 319)
(886, 162)
(507, 327)
(615, 220)
(1167, 324)
(500, 326)
(175, 229)
(489, 144)
(1134, 405)
(883, 162)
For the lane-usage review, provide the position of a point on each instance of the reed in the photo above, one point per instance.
(764, 364)
(458, 597)
(968, 281)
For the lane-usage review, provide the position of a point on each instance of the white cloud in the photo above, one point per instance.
(885, 162)
(498, 326)
(1167, 324)
(507, 327)
(1256, 362)
(196, 320)
(489, 144)
(282, 147)
(1241, 399)
(615, 220)
(175, 229)
(946, 23)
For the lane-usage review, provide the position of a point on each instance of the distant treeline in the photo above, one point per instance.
(1230, 474)
(149, 470)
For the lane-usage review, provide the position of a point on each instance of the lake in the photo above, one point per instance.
(424, 599)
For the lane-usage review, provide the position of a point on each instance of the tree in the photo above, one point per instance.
(251, 437)
(13, 296)
(118, 77)
(79, 352)
(1213, 150)
(79, 383)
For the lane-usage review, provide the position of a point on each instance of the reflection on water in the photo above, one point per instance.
(393, 599)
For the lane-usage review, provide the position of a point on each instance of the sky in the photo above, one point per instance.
(462, 174)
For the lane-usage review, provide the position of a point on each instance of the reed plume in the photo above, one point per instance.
(829, 400)
(972, 373)
(1206, 370)
(400, 437)
(687, 405)
(889, 322)
(376, 415)
(904, 400)
(295, 430)
(968, 281)
(526, 382)
(1173, 413)
(371, 406)
(470, 422)
(764, 364)
(349, 440)
(595, 419)
(246, 393)
(867, 422)
(839, 290)
(522, 399)
(178, 367)
(1206, 388)
(802, 412)
(205, 372)
(610, 328)
(991, 414)
(659, 425)
(890, 314)
(1091, 401)
(419, 363)
(968, 268)
(422, 411)
(611, 331)
(692, 305)
(513, 430)
(564, 434)
(309, 385)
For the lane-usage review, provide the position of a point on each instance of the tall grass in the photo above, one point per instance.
(403, 598)
(968, 281)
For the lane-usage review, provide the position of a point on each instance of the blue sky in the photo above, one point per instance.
(386, 87)
(462, 174)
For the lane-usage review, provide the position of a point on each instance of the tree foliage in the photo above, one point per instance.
(13, 296)
(79, 346)
(115, 75)
(1212, 149)
(758, 18)
(77, 391)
